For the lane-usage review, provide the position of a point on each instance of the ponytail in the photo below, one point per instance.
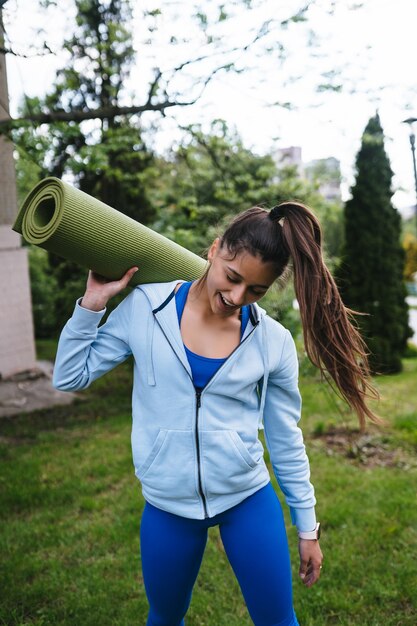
(332, 342)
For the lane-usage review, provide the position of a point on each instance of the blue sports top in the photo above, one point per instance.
(203, 368)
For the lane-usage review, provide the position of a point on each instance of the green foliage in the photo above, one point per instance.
(325, 172)
(371, 272)
(31, 146)
(279, 304)
(409, 226)
(119, 170)
(209, 178)
(44, 292)
(411, 351)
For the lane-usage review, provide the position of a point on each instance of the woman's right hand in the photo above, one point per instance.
(99, 290)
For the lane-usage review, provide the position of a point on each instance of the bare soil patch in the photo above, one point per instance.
(370, 449)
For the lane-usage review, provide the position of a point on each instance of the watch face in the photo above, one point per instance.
(318, 530)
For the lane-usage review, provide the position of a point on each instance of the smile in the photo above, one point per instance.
(225, 302)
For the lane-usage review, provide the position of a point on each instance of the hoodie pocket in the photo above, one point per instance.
(169, 469)
(158, 443)
(227, 463)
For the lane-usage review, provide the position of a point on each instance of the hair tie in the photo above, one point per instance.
(277, 214)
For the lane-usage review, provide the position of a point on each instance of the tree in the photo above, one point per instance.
(371, 271)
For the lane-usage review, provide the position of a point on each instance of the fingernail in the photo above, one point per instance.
(302, 576)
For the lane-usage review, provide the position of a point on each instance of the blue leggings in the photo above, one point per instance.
(255, 541)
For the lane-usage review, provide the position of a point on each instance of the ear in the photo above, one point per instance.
(213, 249)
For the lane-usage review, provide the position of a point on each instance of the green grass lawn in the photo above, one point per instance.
(71, 507)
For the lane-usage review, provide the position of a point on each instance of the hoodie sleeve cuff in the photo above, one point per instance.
(304, 519)
(85, 321)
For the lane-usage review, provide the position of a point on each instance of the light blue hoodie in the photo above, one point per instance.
(197, 454)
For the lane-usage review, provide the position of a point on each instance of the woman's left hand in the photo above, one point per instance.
(311, 559)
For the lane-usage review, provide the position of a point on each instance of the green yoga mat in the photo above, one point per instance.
(76, 226)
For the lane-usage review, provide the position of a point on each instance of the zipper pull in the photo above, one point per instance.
(198, 396)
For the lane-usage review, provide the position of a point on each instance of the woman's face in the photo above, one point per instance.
(234, 282)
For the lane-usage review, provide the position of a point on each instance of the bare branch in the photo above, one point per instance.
(102, 113)
(153, 85)
(46, 50)
(262, 32)
(227, 67)
(112, 111)
(9, 51)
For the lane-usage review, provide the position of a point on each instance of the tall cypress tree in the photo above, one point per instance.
(370, 275)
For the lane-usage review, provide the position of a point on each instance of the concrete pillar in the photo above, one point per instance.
(17, 346)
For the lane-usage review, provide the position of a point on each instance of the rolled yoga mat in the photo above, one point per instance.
(62, 219)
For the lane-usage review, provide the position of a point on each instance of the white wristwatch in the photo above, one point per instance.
(312, 534)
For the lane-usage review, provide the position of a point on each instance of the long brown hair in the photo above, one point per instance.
(291, 234)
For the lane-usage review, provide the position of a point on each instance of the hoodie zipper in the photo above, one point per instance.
(197, 410)
(198, 393)
(197, 444)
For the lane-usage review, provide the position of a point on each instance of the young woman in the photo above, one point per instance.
(210, 369)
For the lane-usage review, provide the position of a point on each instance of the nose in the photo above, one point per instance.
(238, 295)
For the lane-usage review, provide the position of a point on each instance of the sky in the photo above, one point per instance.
(371, 45)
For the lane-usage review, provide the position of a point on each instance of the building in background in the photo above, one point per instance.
(324, 173)
(289, 157)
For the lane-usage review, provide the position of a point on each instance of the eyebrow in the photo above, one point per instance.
(239, 276)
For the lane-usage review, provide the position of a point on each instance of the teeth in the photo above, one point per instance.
(225, 301)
